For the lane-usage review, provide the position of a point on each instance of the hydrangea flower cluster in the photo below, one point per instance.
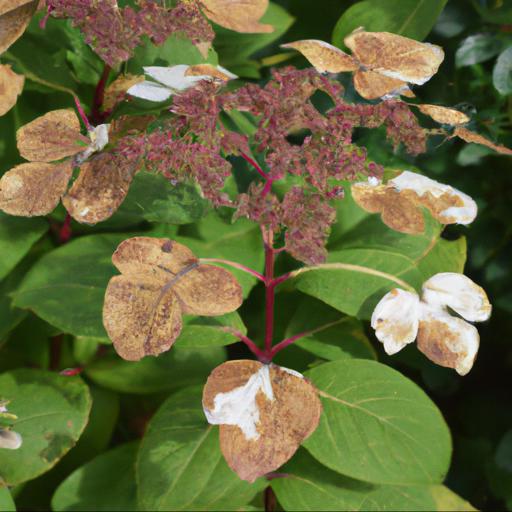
(292, 137)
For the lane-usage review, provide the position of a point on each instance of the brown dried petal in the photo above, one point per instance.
(395, 56)
(372, 85)
(143, 307)
(100, 188)
(158, 257)
(116, 91)
(208, 291)
(15, 15)
(11, 86)
(476, 138)
(209, 70)
(239, 15)
(285, 420)
(323, 56)
(399, 210)
(444, 115)
(140, 317)
(51, 137)
(33, 189)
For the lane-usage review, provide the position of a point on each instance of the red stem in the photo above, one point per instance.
(269, 294)
(82, 114)
(239, 266)
(253, 162)
(99, 95)
(260, 354)
(288, 341)
(65, 230)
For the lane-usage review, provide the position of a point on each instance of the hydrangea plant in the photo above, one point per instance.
(271, 172)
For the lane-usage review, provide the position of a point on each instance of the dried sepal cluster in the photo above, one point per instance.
(54, 145)
(11, 85)
(402, 316)
(383, 64)
(160, 281)
(114, 32)
(15, 15)
(264, 411)
(402, 199)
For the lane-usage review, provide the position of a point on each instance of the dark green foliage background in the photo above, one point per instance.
(476, 75)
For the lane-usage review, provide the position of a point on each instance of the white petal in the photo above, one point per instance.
(10, 440)
(463, 213)
(99, 136)
(459, 293)
(395, 319)
(447, 340)
(238, 406)
(150, 91)
(174, 77)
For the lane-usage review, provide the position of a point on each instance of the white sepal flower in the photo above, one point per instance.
(99, 139)
(166, 81)
(396, 320)
(401, 316)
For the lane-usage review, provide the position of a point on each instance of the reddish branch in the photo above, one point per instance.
(97, 114)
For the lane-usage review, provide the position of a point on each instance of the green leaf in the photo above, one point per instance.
(235, 48)
(52, 411)
(369, 259)
(180, 466)
(175, 50)
(447, 500)
(106, 483)
(502, 72)
(477, 48)
(309, 486)
(204, 332)
(494, 12)
(336, 336)
(177, 368)
(377, 426)
(153, 198)
(66, 286)
(354, 280)
(17, 236)
(6, 501)
(409, 18)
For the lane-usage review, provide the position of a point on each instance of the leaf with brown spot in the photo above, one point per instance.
(238, 15)
(100, 188)
(444, 115)
(264, 411)
(51, 137)
(475, 138)
(325, 57)
(116, 91)
(15, 15)
(395, 56)
(34, 188)
(161, 280)
(11, 86)
(372, 85)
